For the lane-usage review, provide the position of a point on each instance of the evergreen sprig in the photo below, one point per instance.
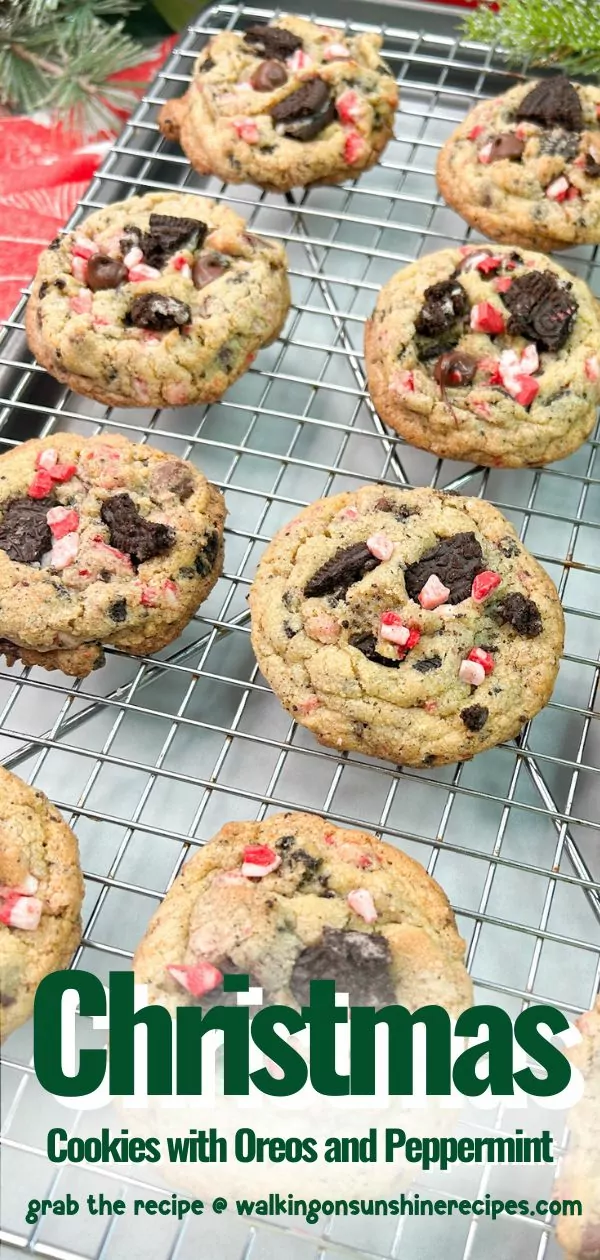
(543, 32)
(59, 54)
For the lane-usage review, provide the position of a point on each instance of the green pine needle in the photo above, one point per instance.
(543, 32)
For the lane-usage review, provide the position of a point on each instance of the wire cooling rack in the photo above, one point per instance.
(150, 756)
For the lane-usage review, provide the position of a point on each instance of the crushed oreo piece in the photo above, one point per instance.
(552, 103)
(542, 309)
(456, 561)
(475, 716)
(521, 613)
(304, 113)
(132, 533)
(346, 567)
(509, 547)
(24, 531)
(118, 611)
(427, 663)
(205, 559)
(169, 232)
(272, 41)
(367, 644)
(159, 312)
(427, 349)
(284, 843)
(359, 962)
(564, 144)
(131, 239)
(445, 302)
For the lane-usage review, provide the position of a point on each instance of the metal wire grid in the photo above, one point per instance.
(149, 757)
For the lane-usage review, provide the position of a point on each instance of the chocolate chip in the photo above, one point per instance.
(103, 272)
(6, 999)
(475, 716)
(564, 144)
(456, 561)
(289, 631)
(592, 167)
(24, 532)
(273, 41)
(455, 368)
(159, 312)
(118, 610)
(305, 112)
(367, 644)
(427, 663)
(359, 962)
(209, 267)
(444, 303)
(206, 65)
(542, 308)
(173, 476)
(268, 75)
(205, 559)
(552, 103)
(508, 146)
(43, 289)
(521, 613)
(132, 533)
(169, 232)
(346, 567)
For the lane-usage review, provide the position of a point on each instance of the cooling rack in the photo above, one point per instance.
(148, 757)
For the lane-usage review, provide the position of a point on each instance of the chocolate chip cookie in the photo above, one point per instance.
(101, 541)
(158, 301)
(285, 104)
(407, 624)
(525, 167)
(486, 354)
(294, 899)
(41, 890)
(580, 1172)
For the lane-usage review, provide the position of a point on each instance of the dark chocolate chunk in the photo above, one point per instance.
(173, 476)
(132, 533)
(118, 610)
(167, 233)
(209, 267)
(559, 143)
(268, 75)
(205, 559)
(359, 962)
(103, 272)
(367, 644)
(272, 41)
(508, 146)
(521, 613)
(444, 303)
(456, 561)
(552, 103)
(347, 566)
(591, 168)
(305, 112)
(206, 65)
(24, 532)
(427, 663)
(455, 368)
(159, 312)
(542, 309)
(475, 716)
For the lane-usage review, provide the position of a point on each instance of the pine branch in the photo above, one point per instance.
(543, 32)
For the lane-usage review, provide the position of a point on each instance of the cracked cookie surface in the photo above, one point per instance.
(285, 105)
(580, 1170)
(525, 167)
(41, 890)
(101, 541)
(161, 300)
(295, 898)
(406, 624)
(488, 354)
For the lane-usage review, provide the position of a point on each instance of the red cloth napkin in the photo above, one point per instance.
(44, 170)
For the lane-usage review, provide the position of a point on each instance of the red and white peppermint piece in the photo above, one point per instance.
(299, 61)
(259, 860)
(335, 52)
(170, 591)
(47, 458)
(471, 672)
(132, 257)
(515, 373)
(528, 388)
(483, 658)
(322, 628)
(380, 546)
(62, 472)
(475, 131)
(485, 317)
(28, 886)
(83, 247)
(558, 189)
(41, 485)
(81, 303)
(180, 263)
(79, 268)
(350, 106)
(485, 153)
(309, 705)
(98, 541)
(149, 596)
(392, 629)
(198, 979)
(484, 584)
(246, 130)
(141, 271)
(502, 284)
(489, 264)
(348, 513)
(64, 551)
(19, 911)
(403, 382)
(413, 638)
(433, 593)
(355, 148)
(592, 368)
(177, 393)
(361, 901)
(62, 521)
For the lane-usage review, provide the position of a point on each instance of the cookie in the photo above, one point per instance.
(41, 890)
(101, 541)
(486, 354)
(293, 899)
(284, 105)
(580, 1172)
(158, 301)
(525, 167)
(407, 624)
